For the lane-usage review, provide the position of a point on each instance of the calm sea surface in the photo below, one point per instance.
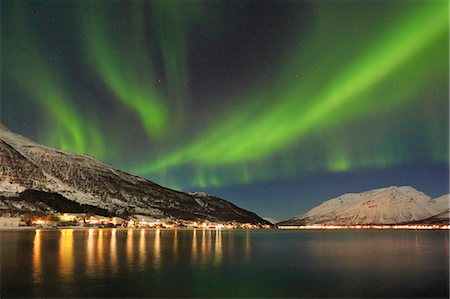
(236, 263)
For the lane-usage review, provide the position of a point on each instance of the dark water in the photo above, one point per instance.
(209, 263)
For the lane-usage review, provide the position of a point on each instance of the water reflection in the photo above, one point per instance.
(203, 244)
(130, 253)
(175, 243)
(340, 263)
(417, 239)
(157, 249)
(446, 242)
(209, 242)
(113, 250)
(37, 266)
(142, 249)
(66, 261)
(194, 246)
(218, 247)
(90, 251)
(100, 253)
(247, 248)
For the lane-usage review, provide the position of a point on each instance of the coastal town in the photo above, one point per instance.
(85, 220)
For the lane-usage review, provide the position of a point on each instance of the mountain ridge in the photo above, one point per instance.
(27, 165)
(389, 205)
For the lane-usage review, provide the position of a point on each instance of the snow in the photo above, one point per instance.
(14, 139)
(63, 162)
(443, 201)
(380, 206)
(199, 194)
(85, 180)
(200, 202)
(271, 220)
(444, 215)
(20, 143)
(336, 205)
(8, 189)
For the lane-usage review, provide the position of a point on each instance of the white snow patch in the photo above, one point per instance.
(380, 206)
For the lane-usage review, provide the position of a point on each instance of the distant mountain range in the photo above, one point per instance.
(392, 205)
(38, 178)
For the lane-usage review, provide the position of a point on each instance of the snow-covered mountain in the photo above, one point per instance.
(57, 178)
(442, 218)
(389, 205)
(443, 201)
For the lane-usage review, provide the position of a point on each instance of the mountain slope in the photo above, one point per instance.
(443, 201)
(26, 165)
(390, 205)
(442, 218)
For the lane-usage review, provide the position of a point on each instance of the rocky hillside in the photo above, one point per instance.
(392, 205)
(63, 175)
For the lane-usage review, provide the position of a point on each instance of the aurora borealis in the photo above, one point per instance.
(274, 105)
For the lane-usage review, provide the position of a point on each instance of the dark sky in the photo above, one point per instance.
(273, 105)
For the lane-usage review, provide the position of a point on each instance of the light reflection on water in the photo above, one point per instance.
(157, 249)
(100, 252)
(37, 254)
(203, 244)
(142, 257)
(205, 263)
(90, 252)
(113, 250)
(37, 265)
(66, 258)
(175, 243)
(194, 246)
(218, 247)
(130, 253)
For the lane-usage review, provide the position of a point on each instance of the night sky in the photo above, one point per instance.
(273, 105)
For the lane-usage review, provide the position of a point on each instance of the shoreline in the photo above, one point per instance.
(286, 228)
(29, 228)
(366, 227)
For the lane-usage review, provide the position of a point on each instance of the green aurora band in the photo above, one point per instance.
(127, 71)
(348, 97)
(43, 81)
(382, 77)
(172, 20)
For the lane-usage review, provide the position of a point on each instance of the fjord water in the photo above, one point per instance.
(214, 263)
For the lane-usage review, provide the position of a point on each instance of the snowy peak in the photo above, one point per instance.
(389, 205)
